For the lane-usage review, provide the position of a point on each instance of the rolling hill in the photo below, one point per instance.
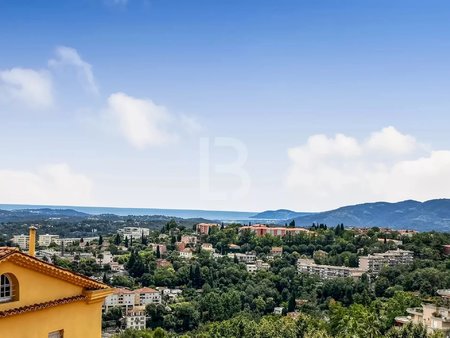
(421, 216)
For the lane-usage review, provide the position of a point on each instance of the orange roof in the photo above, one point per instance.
(121, 290)
(41, 306)
(5, 251)
(145, 290)
(22, 259)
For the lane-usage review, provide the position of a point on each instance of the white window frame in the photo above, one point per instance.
(6, 289)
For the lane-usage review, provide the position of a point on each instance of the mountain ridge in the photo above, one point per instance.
(410, 214)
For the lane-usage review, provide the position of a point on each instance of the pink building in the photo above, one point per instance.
(261, 230)
(203, 228)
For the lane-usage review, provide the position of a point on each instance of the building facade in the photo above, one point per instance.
(261, 230)
(327, 271)
(38, 299)
(204, 228)
(133, 232)
(46, 240)
(434, 318)
(136, 318)
(21, 240)
(374, 263)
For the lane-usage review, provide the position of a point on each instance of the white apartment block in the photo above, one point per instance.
(146, 296)
(122, 298)
(129, 299)
(46, 240)
(133, 232)
(327, 271)
(374, 263)
(21, 240)
(70, 241)
(135, 318)
(243, 258)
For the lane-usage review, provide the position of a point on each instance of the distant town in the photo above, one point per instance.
(196, 278)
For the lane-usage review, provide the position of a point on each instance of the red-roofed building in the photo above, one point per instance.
(203, 228)
(146, 296)
(261, 230)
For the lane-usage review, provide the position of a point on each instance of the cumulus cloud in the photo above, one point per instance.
(391, 140)
(69, 57)
(327, 172)
(26, 87)
(50, 184)
(145, 124)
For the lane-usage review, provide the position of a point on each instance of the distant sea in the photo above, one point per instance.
(223, 216)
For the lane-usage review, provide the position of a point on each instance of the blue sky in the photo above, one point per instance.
(328, 102)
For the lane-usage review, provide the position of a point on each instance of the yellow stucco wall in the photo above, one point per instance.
(78, 320)
(36, 287)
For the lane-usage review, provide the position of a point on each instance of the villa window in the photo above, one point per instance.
(6, 289)
(56, 334)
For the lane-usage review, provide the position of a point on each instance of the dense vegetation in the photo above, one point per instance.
(221, 299)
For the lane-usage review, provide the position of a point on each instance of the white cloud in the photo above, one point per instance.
(50, 184)
(69, 57)
(391, 140)
(27, 87)
(330, 172)
(145, 124)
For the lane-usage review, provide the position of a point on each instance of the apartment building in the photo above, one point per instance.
(374, 263)
(204, 228)
(261, 230)
(133, 232)
(129, 299)
(46, 240)
(146, 296)
(71, 241)
(122, 298)
(136, 318)
(327, 271)
(21, 240)
(247, 258)
(258, 265)
(434, 318)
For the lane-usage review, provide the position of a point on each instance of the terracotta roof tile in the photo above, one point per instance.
(121, 291)
(40, 306)
(23, 259)
(145, 290)
(6, 251)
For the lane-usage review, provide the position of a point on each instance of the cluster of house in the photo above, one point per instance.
(260, 230)
(23, 241)
(434, 317)
(371, 264)
(133, 232)
(133, 303)
(387, 231)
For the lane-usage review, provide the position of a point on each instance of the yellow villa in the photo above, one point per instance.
(40, 300)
